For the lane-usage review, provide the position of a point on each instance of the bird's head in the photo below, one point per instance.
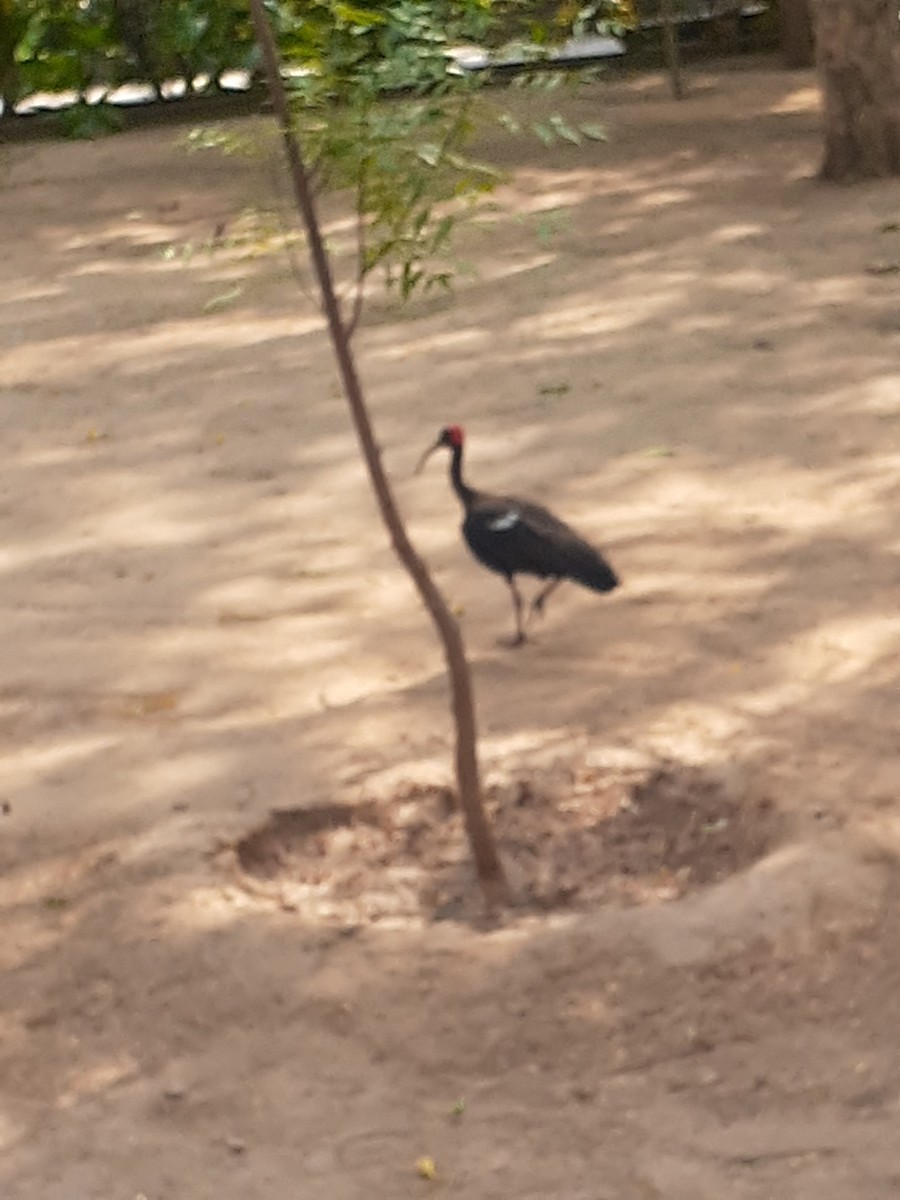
(451, 436)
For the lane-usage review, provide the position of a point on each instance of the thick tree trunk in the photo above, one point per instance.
(856, 43)
(797, 46)
(672, 48)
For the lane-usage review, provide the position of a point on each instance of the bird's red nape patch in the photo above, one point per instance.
(455, 435)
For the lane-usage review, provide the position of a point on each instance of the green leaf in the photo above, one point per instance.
(89, 121)
(223, 300)
(442, 233)
(544, 132)
(364, 18)
(409, 278)
(429, 153)
(565, 130)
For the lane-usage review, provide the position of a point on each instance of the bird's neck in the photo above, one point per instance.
(462, 489)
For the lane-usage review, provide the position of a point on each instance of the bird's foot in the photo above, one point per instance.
(510, 643)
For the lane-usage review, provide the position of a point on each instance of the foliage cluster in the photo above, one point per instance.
(62, 45)
(78, 45)
(386, 119)
(400, 160)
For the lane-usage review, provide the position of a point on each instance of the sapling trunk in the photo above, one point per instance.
(484, 851)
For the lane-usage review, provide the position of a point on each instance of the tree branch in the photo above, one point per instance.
(361, 271)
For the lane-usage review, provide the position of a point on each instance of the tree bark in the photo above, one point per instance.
(797, 45)
(484, 852)
(672, 47)
(856, 43)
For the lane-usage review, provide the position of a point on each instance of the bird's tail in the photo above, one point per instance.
(595, 573)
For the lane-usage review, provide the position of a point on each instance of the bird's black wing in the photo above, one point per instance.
(516, 537)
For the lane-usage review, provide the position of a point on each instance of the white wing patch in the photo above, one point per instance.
(505, 521)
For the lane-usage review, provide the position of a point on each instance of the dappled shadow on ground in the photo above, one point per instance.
(676, 340)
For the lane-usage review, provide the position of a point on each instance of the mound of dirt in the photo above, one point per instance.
(632, 837)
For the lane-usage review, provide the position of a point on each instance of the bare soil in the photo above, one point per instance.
(226, 831)
(588, 836)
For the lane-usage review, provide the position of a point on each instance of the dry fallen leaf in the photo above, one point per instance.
(426, 1167)
(145, 704)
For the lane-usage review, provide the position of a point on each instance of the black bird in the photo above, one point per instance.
(513, 537)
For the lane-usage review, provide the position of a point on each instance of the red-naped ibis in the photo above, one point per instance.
(514, 537)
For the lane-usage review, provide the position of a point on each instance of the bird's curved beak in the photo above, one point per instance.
(425, 457)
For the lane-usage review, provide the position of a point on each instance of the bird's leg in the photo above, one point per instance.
(519, 637)
(537, 604)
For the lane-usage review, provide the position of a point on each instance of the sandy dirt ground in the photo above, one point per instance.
(687, 347)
